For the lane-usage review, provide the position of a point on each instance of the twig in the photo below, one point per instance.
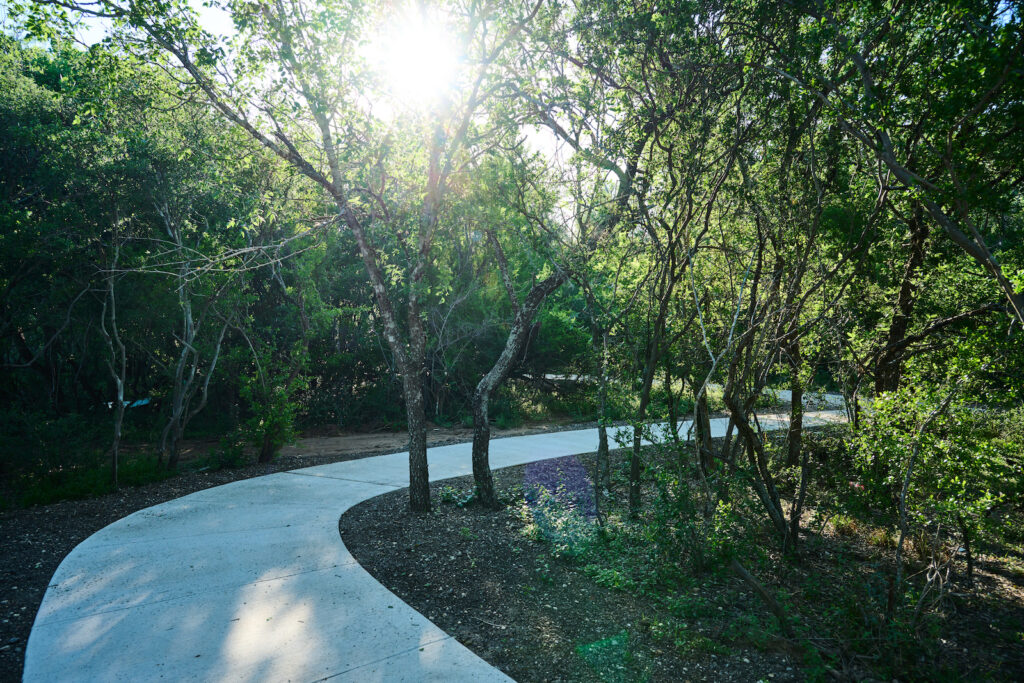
(767, 597)
(502, 626)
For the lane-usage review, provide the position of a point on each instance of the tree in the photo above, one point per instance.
(523, 190)
(643, 95)
(937, 108)
(280, 85)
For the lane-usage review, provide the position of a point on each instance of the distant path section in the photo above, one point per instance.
(250, 581)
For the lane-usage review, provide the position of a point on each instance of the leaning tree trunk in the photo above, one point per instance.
(761, 478)
(514, 344)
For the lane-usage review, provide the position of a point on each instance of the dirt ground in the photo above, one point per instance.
(485, 578)
(476, 575)
(35, 540)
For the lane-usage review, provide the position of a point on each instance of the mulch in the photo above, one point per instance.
(35, 540)
(477, 575)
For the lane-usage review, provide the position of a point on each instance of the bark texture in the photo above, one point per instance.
(518, 334)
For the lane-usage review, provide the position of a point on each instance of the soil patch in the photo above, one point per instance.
(487, 579)
(478, 575)
(36, 539)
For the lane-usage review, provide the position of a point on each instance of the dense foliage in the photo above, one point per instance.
(241, 236)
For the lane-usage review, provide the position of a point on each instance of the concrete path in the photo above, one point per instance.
(250, 582)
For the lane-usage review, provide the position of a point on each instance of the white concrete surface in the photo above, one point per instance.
(812, 399)
(250, 582)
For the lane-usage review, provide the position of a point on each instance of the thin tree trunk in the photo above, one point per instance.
(181, 413)
(673, 416)
(602, 478)
(635, 465)
(767, 597)
(514, 346)
(796, 411)
(763, 482)
(115, 450)
(796, 511)
(965, 535)
(904, 490)
(117, 363)
(702, 424)
(889, 367)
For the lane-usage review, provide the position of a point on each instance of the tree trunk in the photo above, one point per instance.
(889, 367)
(796, 411)
(965, 535)
(172, 449)
(482, 478)
(117, 364)
(410, 362)
(602, 474)
(796, 511)
(635, 466)
(267, 449)
(702, 431)
(673, 415)
(115, 450)
(767, 597)
(761, 479)
(419, 476)
(514, 345)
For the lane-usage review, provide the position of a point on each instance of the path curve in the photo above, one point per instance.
(250, 581)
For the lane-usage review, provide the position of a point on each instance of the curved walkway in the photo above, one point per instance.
(250, 582)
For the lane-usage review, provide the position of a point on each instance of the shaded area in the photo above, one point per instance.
(483, 578)
(565, 477)
(536, 606)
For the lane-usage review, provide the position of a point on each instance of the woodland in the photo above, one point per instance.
(248, 220)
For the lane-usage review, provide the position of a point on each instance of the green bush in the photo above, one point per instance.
(34, 443)
(562, 525)
(967, 463)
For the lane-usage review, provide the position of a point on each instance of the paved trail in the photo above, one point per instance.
(250, 582)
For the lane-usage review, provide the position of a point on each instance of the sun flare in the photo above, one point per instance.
(417, 59)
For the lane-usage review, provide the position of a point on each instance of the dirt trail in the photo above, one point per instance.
(323, 444)
(389, 442)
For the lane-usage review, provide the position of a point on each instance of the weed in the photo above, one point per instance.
(75, 484)
(845, 525)
(457, 497)
(882, 538)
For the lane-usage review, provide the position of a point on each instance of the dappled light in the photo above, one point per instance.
(757, 267)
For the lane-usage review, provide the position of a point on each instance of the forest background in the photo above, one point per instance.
(687, 207)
